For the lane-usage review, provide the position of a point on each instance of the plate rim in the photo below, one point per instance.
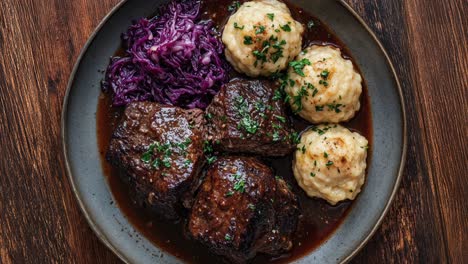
(116, 251)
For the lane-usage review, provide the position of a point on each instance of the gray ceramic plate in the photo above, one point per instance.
(92, 190)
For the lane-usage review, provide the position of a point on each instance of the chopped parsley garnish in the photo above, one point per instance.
(207, 147)
(234, 6)
(239, 186)
(334, 107)
(227, 237)
(314, 93)
(277, 95)
(248, 40)
(325, 155)
(164, 150)
(271, 16)
(329, 163)
(286, 28)
(297, 99)
(324, 83)
(296, 139)
(211, 159)
(250, 125)
(187, 163)
(251, 206)
(247, 122)
(324, 74)
(259, 29)
(276, 136)
(208, 150)
(281, 118)
(312, 174)
(310, 24)
(319, 131)
(236, 26)
(146, 157)
(303, 149)
(260, 56)
(298, 66)
(319, 108)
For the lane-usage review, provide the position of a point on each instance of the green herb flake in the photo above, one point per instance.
(248, 40)
(277, 95)
(329, 163)
(286, 28)
(319, 108)
(227, 237)
(334, 107)
(234, 6)
(251, 206)
(271, 16)
(295, 138)
(310, 24)
(236, 26)
(211, 159)
(312, 174)
(259, 29)
(324, 83)
(324, 74)
(281, 118)
(325, 155)
(276, 136)
(239, 186)
(298, 66)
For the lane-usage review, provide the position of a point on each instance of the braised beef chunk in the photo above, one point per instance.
(242, 209)
(160, 150)
(249, 116)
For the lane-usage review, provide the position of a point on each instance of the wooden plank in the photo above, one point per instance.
(39, 216)
(427, 220)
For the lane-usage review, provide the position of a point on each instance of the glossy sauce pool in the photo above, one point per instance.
(319, 219)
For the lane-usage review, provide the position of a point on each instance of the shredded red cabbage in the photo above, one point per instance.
(174, 58)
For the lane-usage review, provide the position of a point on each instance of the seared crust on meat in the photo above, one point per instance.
(160, 149)
(242, 209)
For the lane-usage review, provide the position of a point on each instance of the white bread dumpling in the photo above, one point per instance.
(330, 163)
(326, 86)
(261, 38)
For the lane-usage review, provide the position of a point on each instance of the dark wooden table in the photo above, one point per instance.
(40, 221)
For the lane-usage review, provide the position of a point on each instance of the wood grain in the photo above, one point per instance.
(40, 221)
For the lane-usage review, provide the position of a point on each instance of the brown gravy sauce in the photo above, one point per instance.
(319, 219)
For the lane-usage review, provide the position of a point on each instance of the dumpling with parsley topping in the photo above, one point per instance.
(323, 86)
(330, 163)
(262, 37)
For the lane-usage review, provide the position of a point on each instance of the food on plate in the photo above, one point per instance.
(249, 116)
(262, 37)
(160, 149)
(196, 143)
(330, 163)
(173, 58)
(325, 86)
(242, 210)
